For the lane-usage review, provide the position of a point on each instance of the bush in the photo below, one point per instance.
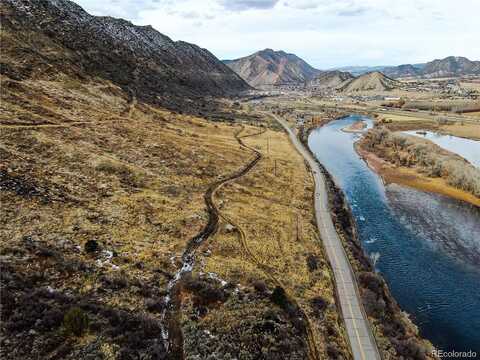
(75, 321)
(279, 297)
(260, 286)
(319, 305)
(207, 291)
(312, 262)
(91, 246)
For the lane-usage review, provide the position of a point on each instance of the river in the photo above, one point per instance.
(426, 246)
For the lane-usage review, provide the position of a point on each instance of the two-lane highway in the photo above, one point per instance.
(362, 342)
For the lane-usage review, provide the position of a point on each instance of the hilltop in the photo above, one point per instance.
(272, 68)
(374, 81)
(330, 80)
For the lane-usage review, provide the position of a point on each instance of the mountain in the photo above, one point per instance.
(272, 68)
(374, 81)
(50, 37)
(451, 66)
(330, 80)
(407, 70)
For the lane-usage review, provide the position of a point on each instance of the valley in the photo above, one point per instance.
(159, 203)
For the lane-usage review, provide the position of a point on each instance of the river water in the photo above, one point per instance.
(426, 246)
(468, 149)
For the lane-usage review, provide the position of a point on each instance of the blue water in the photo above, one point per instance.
(426, 246)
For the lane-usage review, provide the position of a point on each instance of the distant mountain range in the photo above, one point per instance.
(58, 36)
(449, 67)
(268, 68)
(272, 68)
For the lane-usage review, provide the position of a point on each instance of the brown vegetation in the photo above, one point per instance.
(100, 196)
(422, 155)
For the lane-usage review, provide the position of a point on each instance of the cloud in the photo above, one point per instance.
(353, 12)
(239, 5)
(303, 4)
(129, 9)
(325, 33)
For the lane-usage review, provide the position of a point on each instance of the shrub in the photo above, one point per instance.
(319, 305)
(260, 286)
(75, 321)
(279, 297)
(91, 246)
(207, 291)
(312, 262)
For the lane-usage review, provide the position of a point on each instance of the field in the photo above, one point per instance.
(402, 122)
(268, 239)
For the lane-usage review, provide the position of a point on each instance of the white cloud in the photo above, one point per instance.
(325, 33)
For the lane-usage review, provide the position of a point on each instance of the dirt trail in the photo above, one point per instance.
(313, 353)
(171, 316)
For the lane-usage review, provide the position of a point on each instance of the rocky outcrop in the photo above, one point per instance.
(47, 37)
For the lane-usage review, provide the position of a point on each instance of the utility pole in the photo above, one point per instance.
(298, 230)
(275, 168)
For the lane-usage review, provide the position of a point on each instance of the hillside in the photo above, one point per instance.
(272, 68)
(451, 66)
(55, 37)
(330, 80)
(406, 70)
(374, 81)
(131, 231)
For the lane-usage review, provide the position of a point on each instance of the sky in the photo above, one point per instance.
(325, 33)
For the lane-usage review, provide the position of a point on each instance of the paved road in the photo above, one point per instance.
(358, 328)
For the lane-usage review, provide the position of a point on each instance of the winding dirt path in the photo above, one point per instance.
(313, 353)
(173, 335)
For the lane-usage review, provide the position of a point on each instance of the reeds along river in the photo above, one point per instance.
(426, 246)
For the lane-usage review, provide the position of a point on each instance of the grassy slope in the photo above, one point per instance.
(82, 161)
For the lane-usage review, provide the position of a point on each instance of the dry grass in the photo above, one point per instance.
(80, 163)
(134, 185)
(398, 122)
(469, 131)
(273, 206)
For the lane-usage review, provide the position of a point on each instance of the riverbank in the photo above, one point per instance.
(420, 164)
(395, 334)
